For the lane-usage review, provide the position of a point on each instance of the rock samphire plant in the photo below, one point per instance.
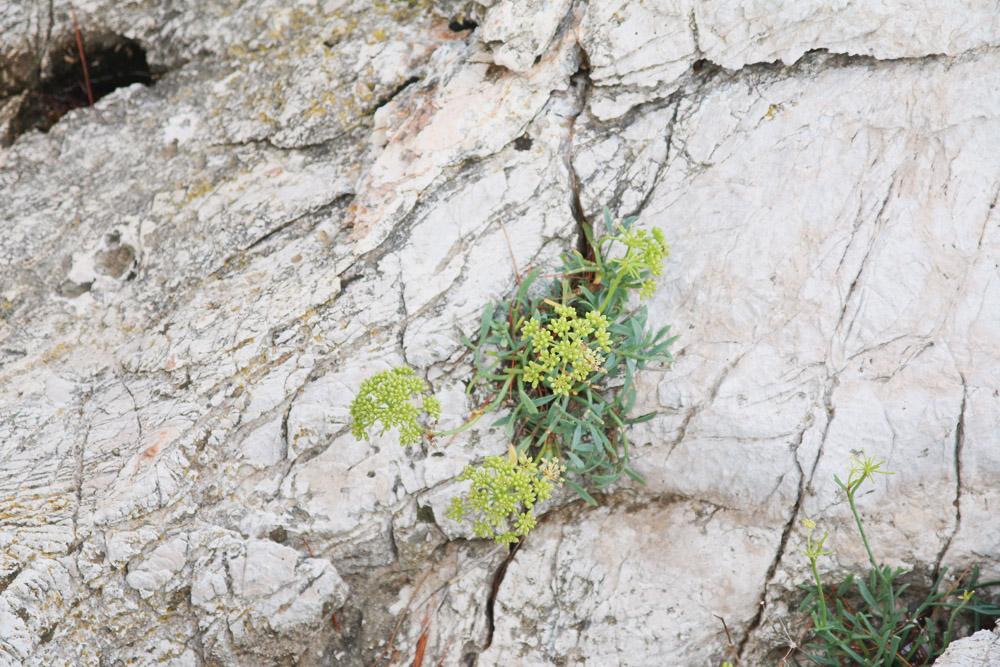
(867, 622)
(562, 358)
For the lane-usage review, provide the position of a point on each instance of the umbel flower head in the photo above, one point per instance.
(864, 467)
(645, 253)
(563, 348)
(504, 492)
(387, 397)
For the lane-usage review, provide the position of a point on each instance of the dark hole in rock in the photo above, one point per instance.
(47, 634)
(703, 67)
(522, 143)
(71, 290)
(6, 579)
(425, 514)
(113, 62)
(462, 26)
(494, 72)
(116, 261)
(278, 535)
(179, 598)
(400, 88)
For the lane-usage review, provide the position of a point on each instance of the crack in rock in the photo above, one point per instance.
(959, 443)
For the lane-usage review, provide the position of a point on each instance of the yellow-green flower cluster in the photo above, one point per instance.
(553, 471)
(562, 348)
(503, 494)
(645, 252)
(386, 397)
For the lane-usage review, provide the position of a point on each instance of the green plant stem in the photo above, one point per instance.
(889, 607)
(822, 598)
(611, 292)
(951, 620)
(857, 519)
(877, 634)
(469, 423)
(638, 357)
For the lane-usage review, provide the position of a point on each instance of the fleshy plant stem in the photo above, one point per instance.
(822, 596)
(611, 292)
(964, 597)
(851, 489)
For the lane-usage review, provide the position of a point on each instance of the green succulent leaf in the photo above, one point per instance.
(580, 491)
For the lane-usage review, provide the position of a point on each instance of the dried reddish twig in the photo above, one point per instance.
(395, 630)
(418, 656)
(475, 415)
(511, 249)
(729, 638)
(960, 577)
(83, 58)
(445, 654)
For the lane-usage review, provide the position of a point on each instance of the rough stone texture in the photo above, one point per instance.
(611, 586)
(640, 49)
(522, 30)
(980, 650)
(195, 277)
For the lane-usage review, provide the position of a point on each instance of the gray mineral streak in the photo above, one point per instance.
(195, 277)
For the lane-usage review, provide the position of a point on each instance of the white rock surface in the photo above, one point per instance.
(196, 276)
(610, 585)
(762, 31)
(637, 51)
(523, 29)
(641, 49)
(980, 650)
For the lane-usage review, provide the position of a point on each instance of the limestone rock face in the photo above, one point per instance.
(196, 276)
(982, 648)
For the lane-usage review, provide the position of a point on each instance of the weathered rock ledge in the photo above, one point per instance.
(196, 275)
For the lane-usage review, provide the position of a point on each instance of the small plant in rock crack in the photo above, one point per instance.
(563, 358)
(875, 627)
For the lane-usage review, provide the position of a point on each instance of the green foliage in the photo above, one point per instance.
(873, 626)
(563, 358)
(386, 397)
